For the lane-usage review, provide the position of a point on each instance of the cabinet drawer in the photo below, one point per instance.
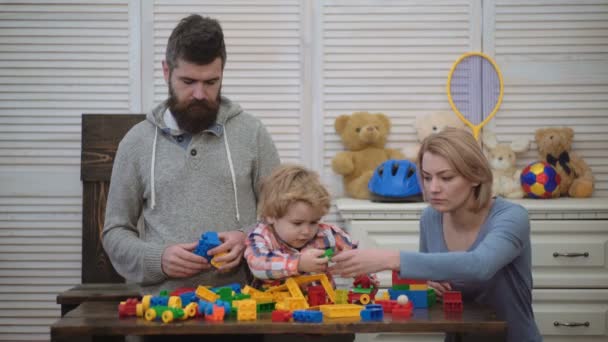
(562, 313)
(570, 254)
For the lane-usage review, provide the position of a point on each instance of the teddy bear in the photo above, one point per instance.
(505, 175)
(555, 147)
(364, 135)
(428, 124)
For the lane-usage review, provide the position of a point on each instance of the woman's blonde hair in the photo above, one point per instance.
(464, 155)
(288, 184)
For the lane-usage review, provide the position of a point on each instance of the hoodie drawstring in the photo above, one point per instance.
(236, 198)
(153, 204)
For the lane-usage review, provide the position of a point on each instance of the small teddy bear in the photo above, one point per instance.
(364, 137)
(505, 174)
(555, 147)
(428, 124)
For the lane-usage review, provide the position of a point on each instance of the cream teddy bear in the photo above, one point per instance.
(428, 124)
(505, 174)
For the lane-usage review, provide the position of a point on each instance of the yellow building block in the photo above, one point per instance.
(279, 296)
(246, 309)
(341, 296)
(419, 287)
(295, 303)
(294, 288)
(250, 290)
(341, 310)
(206, 294)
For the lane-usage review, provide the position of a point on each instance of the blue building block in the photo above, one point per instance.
(225, 304)
(417, 297)
(372, 314)
(208, 241)
(188, 297)
(306, 316)
(159, 301)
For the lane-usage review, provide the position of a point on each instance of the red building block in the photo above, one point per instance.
(452, 301)
(405, 281)
(281, 316)
(317, 295)
(403, 311)
(128, 308)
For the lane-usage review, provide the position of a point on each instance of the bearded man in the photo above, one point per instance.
(193, 166)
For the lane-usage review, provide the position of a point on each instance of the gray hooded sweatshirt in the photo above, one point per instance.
(180, 186)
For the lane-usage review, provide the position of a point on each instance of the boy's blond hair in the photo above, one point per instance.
(464, 155)
(288, 184)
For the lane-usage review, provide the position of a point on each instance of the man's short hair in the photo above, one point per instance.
(196, 39)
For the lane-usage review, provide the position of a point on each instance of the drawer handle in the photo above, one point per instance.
(570, 255)
(571, 324)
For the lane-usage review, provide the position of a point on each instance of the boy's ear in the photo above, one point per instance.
(269, 220)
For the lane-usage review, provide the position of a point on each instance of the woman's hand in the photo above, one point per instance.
(439, 287)
(352, 263)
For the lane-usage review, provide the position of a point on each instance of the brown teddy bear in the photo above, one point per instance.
(554, 147)
(364, 136)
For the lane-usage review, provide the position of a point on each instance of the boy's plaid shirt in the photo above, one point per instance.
(270, 259)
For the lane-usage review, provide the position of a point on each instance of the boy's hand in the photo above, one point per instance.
(234, 246)
(178, 261)
(313, 261)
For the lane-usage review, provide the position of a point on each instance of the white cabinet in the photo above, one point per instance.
(569, 259)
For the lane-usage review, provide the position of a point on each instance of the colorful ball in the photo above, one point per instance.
(540, 180)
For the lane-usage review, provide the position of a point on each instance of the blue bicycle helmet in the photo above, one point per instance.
(395, 181)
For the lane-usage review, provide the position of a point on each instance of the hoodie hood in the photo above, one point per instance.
(227, 111)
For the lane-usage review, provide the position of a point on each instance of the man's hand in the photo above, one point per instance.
(178, 261)
(233, 246)
(313, 261)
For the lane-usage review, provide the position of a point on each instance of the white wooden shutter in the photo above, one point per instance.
(58, 59)
(391, 57)
(264, 60)
(554, 59)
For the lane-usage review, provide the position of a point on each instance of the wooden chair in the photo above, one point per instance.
(100, 282)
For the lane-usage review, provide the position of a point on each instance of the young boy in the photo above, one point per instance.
(289, 240)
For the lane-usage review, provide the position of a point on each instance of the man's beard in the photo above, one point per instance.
(194, 116)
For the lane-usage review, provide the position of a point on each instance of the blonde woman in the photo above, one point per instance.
(469, 241)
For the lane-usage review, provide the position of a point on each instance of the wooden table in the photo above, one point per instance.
(101, 318)
(102, 292)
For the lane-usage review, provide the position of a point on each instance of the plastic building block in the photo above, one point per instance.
(188, 297)
(246, 310)
(182, 290)
(265, 307)
(174, 302)
(281, 316)
(307, 316)
(341, 296)
(208, 241)
(217, 314)
(341, 310)
(191, 310)
(387, 305)
(431, 297)
(418, 298)
(359, 298)
(165, 313)
(128, 308)
(403, 307)
(372, 313)
(322, 278)
(404, 281)
(329, 253)
(206, 294)
(419, 287)
(159, 301)
(452, 301)
(215, 263)
(316, 295)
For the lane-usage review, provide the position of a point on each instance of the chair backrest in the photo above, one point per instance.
(101, 134)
